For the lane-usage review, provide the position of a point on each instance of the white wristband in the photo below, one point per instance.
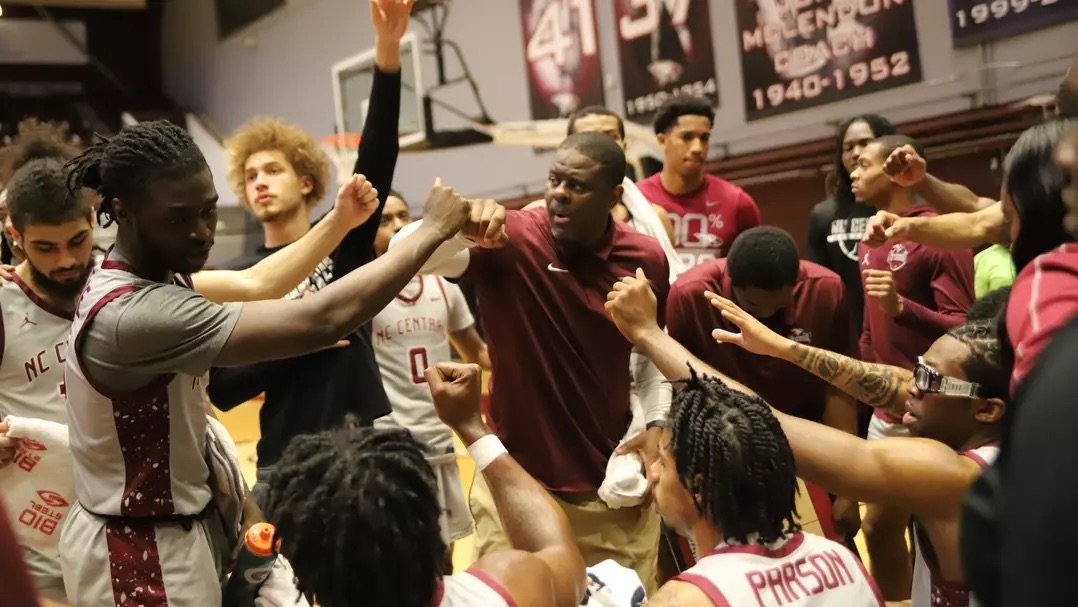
(486, 450)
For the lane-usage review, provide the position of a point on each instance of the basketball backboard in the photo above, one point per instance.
(352, 80)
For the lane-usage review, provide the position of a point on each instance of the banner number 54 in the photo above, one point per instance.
(647, 22)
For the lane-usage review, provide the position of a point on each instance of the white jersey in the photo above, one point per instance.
(801, 570)
(472, 588)
(410, 335)
(33, 351)
(139, 453)
(930, 588)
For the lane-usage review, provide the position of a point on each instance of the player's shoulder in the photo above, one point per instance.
(524, 576)
(819, 275)
(682, 593)
(718, 185)
(710, 272)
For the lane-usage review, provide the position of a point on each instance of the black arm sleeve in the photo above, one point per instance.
(819, 226)
(377, 159)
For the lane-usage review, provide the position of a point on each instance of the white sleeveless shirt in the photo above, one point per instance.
(33, 352)
(802, 570)
(930, 588)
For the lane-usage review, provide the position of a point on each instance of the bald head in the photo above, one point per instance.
(604, 150)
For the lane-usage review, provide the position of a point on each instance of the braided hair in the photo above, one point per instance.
(989, 363)
(358, 517)
(733, 458)
(121, 166)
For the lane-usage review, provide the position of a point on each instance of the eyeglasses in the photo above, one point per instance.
(931, 381)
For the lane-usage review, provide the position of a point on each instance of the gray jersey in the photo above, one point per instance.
(135, 382)
(33, 350)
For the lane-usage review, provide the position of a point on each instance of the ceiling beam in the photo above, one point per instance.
(107, 4)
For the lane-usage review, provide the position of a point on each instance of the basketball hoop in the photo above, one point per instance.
(342, 149)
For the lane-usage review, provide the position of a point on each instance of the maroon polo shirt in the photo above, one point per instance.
(818, 315)
(559, 393)
(936, 286)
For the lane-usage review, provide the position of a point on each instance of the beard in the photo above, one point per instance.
(65, 290)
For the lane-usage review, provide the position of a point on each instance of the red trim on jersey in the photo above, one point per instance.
(706, 586)
(445, 300)
(871, 582)
(783, 551)
(111, 264)
(109, 392)
(411, 300)
(135, 565)
(493, 585)
(439, 593)
(976, 457)
(40, 301)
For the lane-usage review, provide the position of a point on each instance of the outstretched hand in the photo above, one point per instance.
(356, 201)
(754, 337)
(884, 227)
(633, 307)
(486, 224)
(390, 18)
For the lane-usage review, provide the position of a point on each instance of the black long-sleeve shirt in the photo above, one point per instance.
(832, 243)
(314, 392)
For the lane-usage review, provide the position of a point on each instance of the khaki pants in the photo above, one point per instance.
(629, 536)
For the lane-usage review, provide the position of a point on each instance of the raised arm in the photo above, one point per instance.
(268, 330)
(379, 145)
(951, 231)
(548, 570)
(276, 275)
(907, 168)
(880, 471)
(633, 307)
(873, 384)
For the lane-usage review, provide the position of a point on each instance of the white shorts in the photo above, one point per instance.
(108, 563)
(456, 519)
(46, 575)
(881, 428)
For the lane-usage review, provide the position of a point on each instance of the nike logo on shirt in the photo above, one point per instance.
(554, 268)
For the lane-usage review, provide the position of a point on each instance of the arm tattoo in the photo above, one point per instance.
(873, 384)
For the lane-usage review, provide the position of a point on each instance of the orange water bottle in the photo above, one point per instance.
(253, 566)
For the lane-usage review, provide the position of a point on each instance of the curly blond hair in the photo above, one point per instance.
(298, 147)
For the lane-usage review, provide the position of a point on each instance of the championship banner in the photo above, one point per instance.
(976, 21)
(561, 49)
(666, 50)
(795, 58)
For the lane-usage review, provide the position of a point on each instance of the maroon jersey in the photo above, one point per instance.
(706, 221)
(816, 316)
(936, 286)
(559, 394)
(1044, 302)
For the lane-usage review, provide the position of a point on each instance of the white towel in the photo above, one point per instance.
(611, 585)
(625, 483)
(38, 486)
(226, 480)
(646, 221)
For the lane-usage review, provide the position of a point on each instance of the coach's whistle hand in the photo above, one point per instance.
(632, 306)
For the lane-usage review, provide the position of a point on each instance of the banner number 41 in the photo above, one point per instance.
(552, 36)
